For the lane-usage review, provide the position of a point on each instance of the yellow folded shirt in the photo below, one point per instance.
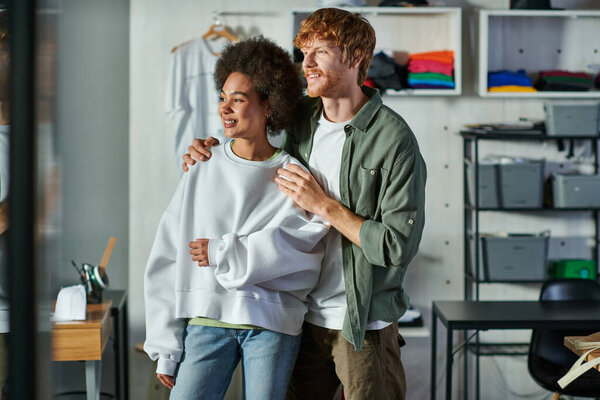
(511, 88)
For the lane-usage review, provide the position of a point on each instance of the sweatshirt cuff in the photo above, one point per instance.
(166, 366)
(213, 247)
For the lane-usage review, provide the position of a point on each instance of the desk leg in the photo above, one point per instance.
(449, 332)
(125, 344)
(466, 369)
(433, 352)
(118, 356)
(93, 370)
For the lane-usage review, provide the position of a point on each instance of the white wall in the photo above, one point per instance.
(437, 271)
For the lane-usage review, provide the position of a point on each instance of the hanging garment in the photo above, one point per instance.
(192, 100)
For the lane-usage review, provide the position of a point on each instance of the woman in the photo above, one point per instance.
(242, 296)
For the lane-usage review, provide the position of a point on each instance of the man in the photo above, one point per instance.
(369, 185)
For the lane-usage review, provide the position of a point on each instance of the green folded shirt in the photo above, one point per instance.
(431, 76)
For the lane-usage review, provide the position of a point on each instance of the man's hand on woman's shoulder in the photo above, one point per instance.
(199, 150)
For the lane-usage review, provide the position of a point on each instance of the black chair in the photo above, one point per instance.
(548, 358)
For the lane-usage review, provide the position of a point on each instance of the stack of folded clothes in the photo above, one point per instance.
(558, 80)
(509, 81)
(385, 72)
(431, 70)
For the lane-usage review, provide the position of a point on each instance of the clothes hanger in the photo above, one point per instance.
(217, 29)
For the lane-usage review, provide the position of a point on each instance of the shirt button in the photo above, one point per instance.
(305, 155)
(348, 129)
(372, 172)
(411, 221)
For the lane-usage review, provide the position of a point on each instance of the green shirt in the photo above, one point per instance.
(382, 179)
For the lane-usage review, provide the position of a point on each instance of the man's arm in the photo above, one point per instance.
(303, 188)
(199, 150)
(393, 240)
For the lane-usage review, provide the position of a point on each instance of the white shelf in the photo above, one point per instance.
(421, 92)
(414, 30)
(537, 40)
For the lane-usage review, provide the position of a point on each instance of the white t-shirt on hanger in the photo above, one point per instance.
(191, 99)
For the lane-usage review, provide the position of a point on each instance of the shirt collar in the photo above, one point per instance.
(362, 119)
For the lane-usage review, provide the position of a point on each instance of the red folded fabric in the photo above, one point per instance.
(430, 66)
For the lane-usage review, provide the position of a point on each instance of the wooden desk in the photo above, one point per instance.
(84, 341)
(594, 337)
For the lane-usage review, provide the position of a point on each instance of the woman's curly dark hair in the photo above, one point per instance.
(272, 73)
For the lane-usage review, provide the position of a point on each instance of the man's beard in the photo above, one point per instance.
(325, 85)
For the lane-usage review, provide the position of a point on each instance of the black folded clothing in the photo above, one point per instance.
(386, 73)
(561, 86)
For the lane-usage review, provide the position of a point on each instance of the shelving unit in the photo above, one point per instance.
(537, 40)
(477, 347)
(471, 140)
(413, 30)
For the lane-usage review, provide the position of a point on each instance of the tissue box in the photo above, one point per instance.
(70, 304)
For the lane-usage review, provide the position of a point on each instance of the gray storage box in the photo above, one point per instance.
(574, 191)
(514, 258)
(571, 247)
(572, 118)
(522, 184)
(488, 185)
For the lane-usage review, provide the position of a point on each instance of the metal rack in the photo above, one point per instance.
(472, 281)
(471, 212)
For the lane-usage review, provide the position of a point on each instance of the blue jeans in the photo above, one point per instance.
(211, 355)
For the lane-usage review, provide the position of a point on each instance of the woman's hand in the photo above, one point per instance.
(199, 252)
(166, 380)
(199, 150)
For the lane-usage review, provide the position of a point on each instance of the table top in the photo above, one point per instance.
(508, 314)
(96, 315)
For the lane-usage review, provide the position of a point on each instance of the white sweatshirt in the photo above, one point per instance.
(265, 254)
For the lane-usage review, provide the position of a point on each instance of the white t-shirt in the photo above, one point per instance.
(191, 99)
(328, 300)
